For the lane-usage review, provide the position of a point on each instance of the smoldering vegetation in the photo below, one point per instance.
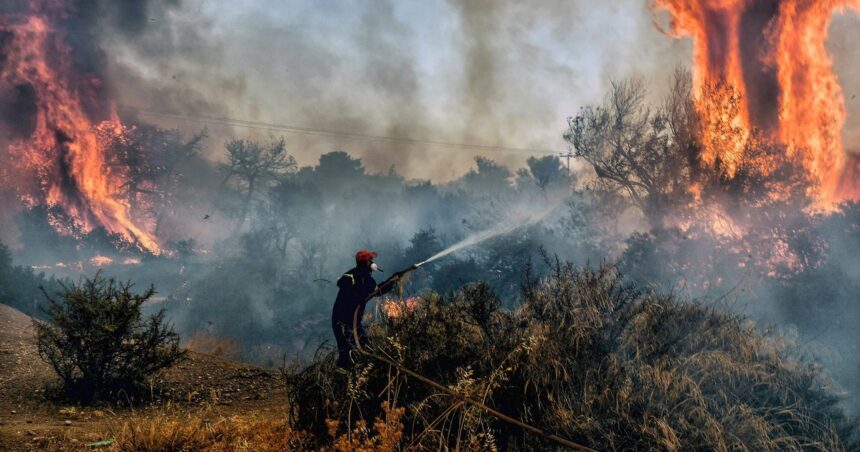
(585, 356)
(301, 232)
(254, 243)
(661, 305)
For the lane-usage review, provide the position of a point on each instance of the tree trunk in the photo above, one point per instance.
(245, 205)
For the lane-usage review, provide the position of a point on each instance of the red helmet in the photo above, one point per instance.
(364, 256)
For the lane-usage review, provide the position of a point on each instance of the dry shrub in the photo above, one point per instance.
(169, 430)
(588, 358)
(388, 433)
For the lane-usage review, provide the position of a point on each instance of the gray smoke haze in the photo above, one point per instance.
(487, 72)
(482, 72)
(842, 44)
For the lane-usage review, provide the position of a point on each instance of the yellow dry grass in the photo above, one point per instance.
(171, 430)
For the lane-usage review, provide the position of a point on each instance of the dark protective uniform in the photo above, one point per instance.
(355, 286)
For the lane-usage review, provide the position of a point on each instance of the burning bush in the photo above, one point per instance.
(98, 343)
(587, 358)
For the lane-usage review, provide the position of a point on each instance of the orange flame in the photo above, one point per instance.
(101, 261)
(763, 65)
(394, 307)
(66, 149)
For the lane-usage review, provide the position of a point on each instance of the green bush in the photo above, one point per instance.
(97, 340)
(19, 285)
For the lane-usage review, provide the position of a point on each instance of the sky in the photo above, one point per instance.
(482, 72)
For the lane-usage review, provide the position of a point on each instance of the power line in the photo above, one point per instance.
(215, 120)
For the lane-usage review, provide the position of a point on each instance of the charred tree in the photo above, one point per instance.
(254, 166)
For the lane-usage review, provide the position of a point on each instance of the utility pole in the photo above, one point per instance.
(569, 155)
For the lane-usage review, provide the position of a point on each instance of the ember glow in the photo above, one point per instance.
(101, 261)
(762, 65)
(64, 149)
(394, 307)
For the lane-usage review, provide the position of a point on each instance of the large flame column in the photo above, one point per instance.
(772, 54)
(65, 150)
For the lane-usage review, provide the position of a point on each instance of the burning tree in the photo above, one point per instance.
(774, 55)
(58, 138)
(751, 198)
(153, 157)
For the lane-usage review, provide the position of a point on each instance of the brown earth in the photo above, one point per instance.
(202, 385)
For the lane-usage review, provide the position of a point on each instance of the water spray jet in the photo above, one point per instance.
(463, 398)
(504, 227)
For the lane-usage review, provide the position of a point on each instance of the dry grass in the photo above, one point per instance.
(221, 347)
(589, 359)
(172, 430)
(386, 434)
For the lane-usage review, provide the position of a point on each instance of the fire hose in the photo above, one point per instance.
(459, 396)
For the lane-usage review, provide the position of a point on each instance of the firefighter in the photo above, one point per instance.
(356, 287)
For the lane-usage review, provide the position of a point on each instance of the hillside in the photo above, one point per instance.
(205, 386)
